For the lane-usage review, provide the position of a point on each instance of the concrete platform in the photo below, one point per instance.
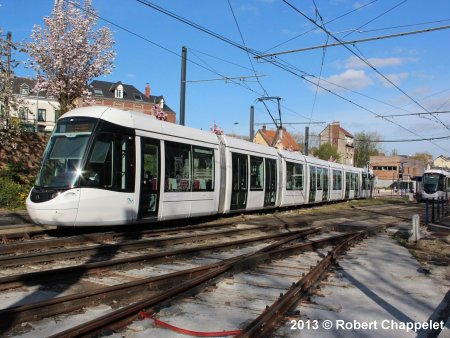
(378, 284)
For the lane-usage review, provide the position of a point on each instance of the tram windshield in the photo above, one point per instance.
(432, 182)
(62, 160)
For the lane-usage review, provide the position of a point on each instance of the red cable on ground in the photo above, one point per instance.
(158, 322)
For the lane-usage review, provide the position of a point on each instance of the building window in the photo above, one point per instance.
(24, 89)
(98, 92)
(41, 115)
(22, 113)
(256, 173)
(137, 97)
(294, 176)
(118, 93)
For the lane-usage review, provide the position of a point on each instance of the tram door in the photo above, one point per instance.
(270, 194)
(312, 184)
(325, 184)
(239, 181)
(150, 176)
(348, 178)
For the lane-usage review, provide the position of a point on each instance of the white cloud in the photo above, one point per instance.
(359, 4)
(354, 62)
(351, 79)
(396, 78)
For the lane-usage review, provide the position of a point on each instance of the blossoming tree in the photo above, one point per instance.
(69, 52)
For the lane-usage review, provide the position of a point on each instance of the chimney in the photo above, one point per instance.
(147, 90)
(264, 127)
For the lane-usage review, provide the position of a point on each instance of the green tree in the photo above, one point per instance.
(366, 144)
(326, 152)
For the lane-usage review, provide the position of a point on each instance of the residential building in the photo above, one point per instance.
(396, 171)
(280, 139)
(340, 139)
(441, 162)
(126, 97)
(37, 110)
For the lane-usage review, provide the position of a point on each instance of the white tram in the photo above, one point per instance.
(436, 184)
(105, 166)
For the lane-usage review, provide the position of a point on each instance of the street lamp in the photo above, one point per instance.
(232, 127)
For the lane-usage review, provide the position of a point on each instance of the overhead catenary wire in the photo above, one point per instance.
(160, 46)
(371, 66)
(393, 140)
(246, 49)
(353, 42)
(416, 114)
(329, 21)
(321, 64)
(284, 67)
(356, 54)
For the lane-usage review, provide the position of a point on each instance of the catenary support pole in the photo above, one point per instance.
(306, 150)
(252, 123)
(183, 85)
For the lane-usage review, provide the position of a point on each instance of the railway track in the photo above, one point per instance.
(147, 307)
(161, 288)
(164, 272)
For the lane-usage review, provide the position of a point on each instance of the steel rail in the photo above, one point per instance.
(46, 308)
(122, 317)
(130, 245)
(97, 237)
(81, 270)
(264, 325)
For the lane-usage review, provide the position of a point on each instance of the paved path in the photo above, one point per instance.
(378, 284)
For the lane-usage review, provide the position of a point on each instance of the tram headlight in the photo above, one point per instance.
(56, 194)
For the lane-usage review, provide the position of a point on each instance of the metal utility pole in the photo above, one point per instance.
(183, 85)
(252, 123)
(306, 150)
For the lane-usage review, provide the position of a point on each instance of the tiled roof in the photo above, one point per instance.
(346, 132)
(273, 136)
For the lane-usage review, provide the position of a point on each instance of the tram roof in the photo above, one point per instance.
(141, 121)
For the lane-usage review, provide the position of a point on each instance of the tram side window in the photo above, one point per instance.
(294, 176)
(203, 169)
(178, 167)
(111, 163)
(337, 180)
(319, 178)
(256, 173)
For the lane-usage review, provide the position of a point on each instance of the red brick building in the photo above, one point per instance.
(390, 170)
(340, 139)
(127, 97)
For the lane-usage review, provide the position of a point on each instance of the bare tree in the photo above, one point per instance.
(69, 52)
(366, 144)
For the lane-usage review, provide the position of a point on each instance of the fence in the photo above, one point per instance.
(435, 209)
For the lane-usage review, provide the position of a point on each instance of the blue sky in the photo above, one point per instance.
(417, 64)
